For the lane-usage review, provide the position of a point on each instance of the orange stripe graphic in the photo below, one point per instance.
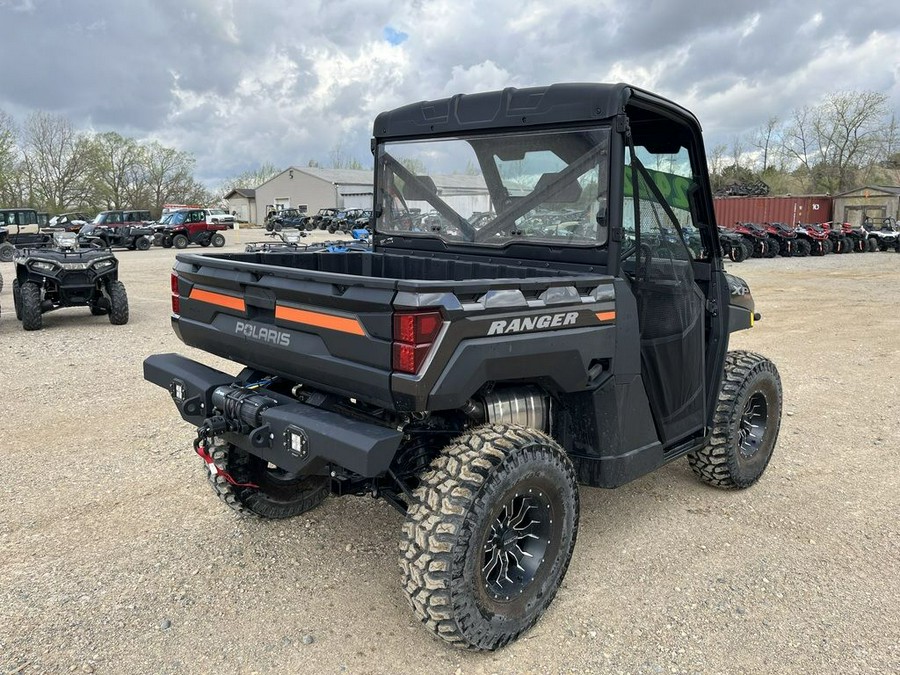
(606, 316)
(329, 321)
(219, 299)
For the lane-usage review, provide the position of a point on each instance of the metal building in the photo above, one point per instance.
(874, 201)
(242, 203)
(310, 189)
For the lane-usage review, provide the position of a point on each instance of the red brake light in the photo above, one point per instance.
(176, 298)
(414, 334)
(416, 328)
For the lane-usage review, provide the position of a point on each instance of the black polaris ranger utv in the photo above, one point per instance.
(553, 326)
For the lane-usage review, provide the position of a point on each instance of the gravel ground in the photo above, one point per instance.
(115, 556)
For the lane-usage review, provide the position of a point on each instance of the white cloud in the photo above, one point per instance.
(239, 84)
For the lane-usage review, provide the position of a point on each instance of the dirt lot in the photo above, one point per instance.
(116, 557)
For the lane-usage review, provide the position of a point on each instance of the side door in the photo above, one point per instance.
(662, 243)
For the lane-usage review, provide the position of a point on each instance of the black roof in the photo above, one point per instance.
(243, 192)
(518, 108)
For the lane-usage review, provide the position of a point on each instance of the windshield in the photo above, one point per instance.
(548, 187)
(177, 218)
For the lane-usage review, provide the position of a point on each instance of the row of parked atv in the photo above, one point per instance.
(770, 240)
(331, 219)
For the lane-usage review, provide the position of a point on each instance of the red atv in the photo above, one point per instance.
(859, 238)
(840, 241)
(789, 244)
(189, 226)
(816, 237)
(762, 244)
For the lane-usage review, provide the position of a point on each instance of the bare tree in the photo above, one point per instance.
(765, 140)
(341, 159)
(251, 178)
(737, 151)
(168, 177)
(838, 139)
(55, 161)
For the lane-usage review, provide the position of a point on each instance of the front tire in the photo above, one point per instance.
(746, 424)
(32, 318)
(737, 253)
(143, 244)
(7, 252)
(489, 538)
(803, 248)
(118, 303)
(180, 241)
(17, 298)
(278, 494)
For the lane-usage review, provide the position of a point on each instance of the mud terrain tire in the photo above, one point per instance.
(278, 494)
(498, 495)
(746, 424)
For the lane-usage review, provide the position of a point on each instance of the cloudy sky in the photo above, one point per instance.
(239, 83)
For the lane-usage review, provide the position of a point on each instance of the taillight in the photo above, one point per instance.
(414, 334)
(176, 299)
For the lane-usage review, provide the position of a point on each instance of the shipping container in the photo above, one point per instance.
(790, 210)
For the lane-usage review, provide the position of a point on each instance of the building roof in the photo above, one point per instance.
(247, 193)
(883, 189)
(339, 176)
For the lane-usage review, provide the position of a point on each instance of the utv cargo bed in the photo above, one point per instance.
(328, 319)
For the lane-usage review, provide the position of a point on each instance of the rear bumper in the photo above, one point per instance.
(292, 435)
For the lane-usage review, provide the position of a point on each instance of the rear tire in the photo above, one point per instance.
(143, 244)
(7, 252)
(118, 303)
(180, 241)
(871, 245)
(218, 240)
(278, 495)
(745, 426)
(31, 306)
(468, 526)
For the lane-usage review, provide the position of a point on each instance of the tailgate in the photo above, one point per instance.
(320, 328)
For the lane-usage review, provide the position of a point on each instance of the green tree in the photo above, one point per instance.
(115, 167)
(9, 162)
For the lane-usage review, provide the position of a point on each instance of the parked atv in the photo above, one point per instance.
(840, 242)
(763, 246)
(63, 273)
(816, 237)
(189, 226)
(789, 243)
